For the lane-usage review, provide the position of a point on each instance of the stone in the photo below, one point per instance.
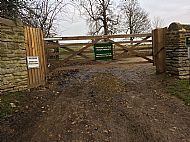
(184, 77)
(6, 51)
(3, 45)
(12, 45)
(20, 73)
(10, 89)
(21, 88)
(18, 29)
(176, 51)
(6, 86)
(9, 32)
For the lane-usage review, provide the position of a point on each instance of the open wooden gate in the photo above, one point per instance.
(36, 58)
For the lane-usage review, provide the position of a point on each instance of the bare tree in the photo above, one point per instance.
(11, 9)
(43, 14)
(134, 18)
(37, 13)
(100, 17)
(157, 22)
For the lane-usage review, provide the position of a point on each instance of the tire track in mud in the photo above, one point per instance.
(115, 105)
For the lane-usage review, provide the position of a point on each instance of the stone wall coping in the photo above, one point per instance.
(179, 27)
(10, 23)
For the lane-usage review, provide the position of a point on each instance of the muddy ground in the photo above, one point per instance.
(106, 104)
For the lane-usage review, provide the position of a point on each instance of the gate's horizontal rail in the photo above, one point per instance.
(90, 54)
(54, 45)
(92, 51)
(96, 37)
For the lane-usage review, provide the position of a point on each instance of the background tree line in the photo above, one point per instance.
(37, 13)
(102, 16)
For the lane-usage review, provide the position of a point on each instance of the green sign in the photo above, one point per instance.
(188, 41)
(103, 51)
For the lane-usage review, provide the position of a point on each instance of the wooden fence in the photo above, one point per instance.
(35, 47)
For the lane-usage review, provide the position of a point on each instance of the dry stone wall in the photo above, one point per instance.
(13, 66)
(177, 61)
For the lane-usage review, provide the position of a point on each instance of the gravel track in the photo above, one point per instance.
(110, 104)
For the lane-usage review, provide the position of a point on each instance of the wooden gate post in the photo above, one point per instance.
(159, 51)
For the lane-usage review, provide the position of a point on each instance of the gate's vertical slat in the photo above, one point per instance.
(30, 53)
(40, 54)
(43, 56)
(33, 54)
(36, 54)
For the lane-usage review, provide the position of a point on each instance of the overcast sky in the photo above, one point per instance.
(169, 10)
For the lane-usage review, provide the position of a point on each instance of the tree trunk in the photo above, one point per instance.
(130, 28)
(105, 19)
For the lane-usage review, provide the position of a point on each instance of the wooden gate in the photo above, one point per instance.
(35, 48)
(123, 47)
(143, 48)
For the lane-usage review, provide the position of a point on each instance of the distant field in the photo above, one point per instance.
(145, 49)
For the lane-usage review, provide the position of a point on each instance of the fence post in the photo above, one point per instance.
(56, 51)
(159, 51)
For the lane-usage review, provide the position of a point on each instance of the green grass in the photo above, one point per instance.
(6, 109)
(180, 89)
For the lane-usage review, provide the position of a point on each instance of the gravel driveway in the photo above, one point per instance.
(113, 104)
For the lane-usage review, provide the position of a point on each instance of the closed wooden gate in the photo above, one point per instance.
(35, 49)
(144, 48)
(123, 48)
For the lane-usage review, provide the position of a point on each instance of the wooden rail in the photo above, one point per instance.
(53, 44)
(97, 37)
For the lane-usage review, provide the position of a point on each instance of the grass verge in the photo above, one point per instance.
(180, 89)
(9, 103)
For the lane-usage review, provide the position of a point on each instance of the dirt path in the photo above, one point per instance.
(126, 104)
